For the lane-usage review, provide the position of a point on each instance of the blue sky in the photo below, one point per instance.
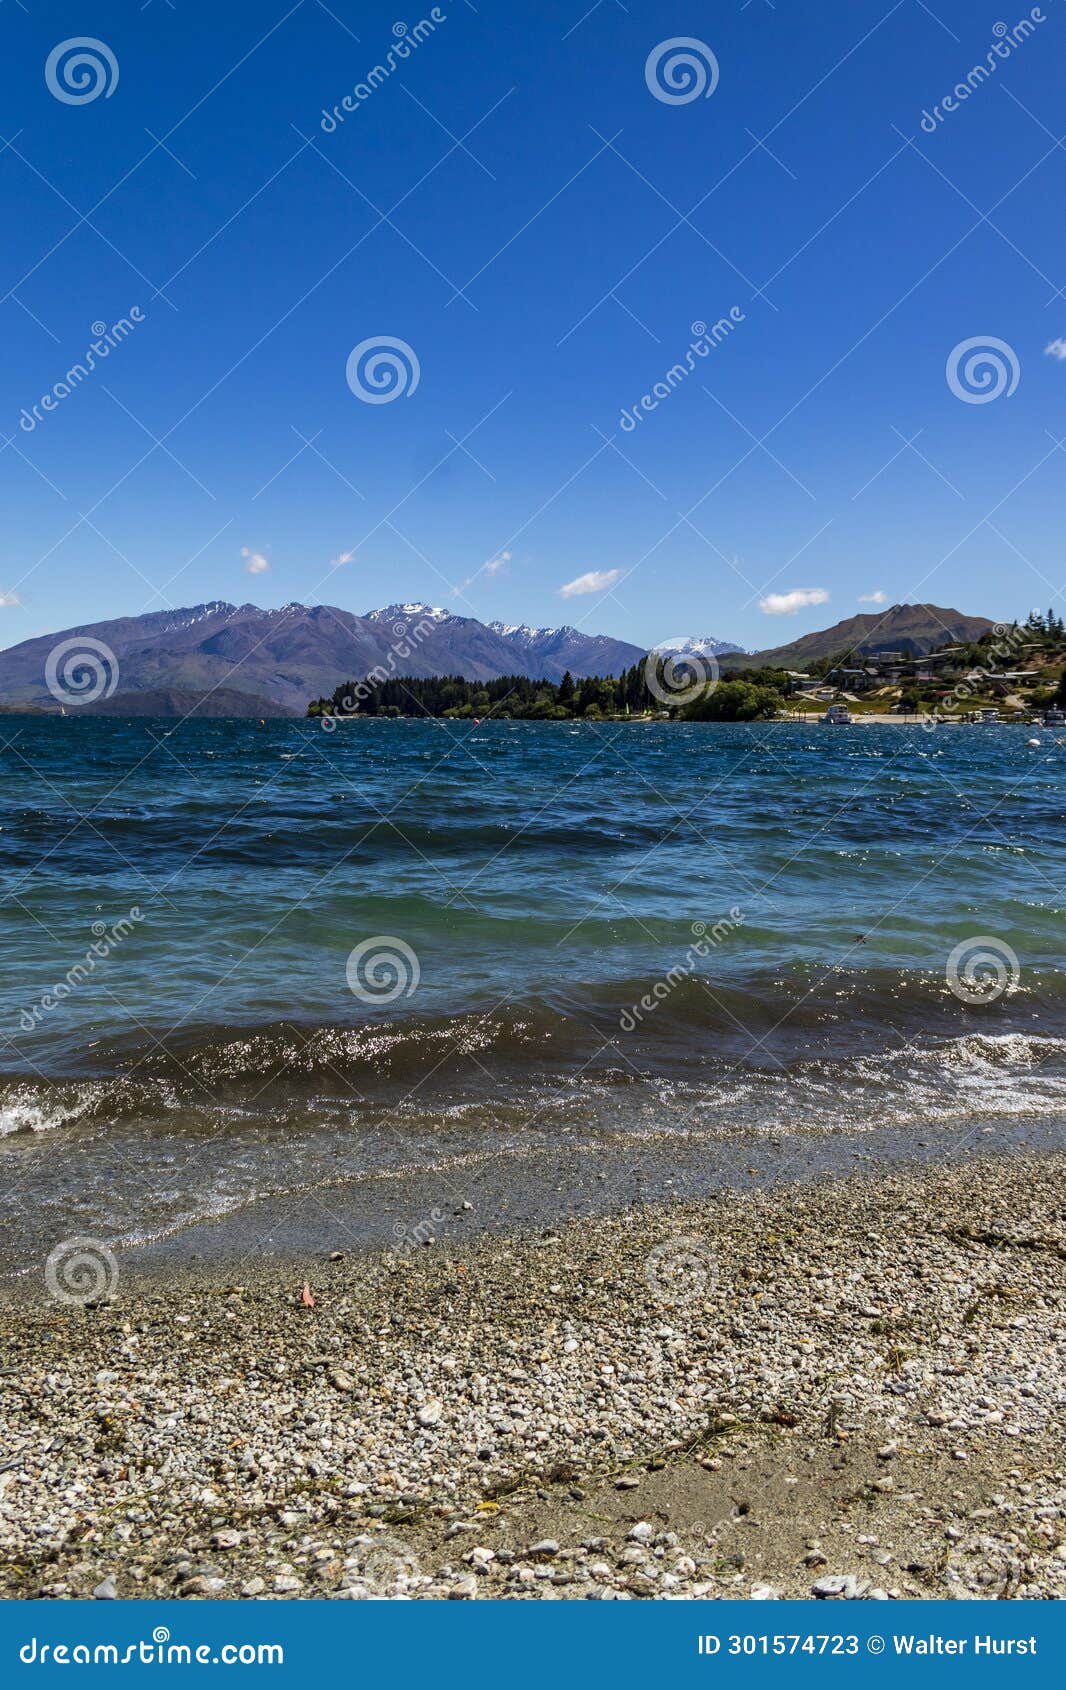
(514, 203)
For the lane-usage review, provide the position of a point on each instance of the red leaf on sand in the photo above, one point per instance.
(307, 1296)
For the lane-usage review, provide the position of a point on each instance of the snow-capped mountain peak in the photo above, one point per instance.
(699, 645)
(524, 633)
(391, 612)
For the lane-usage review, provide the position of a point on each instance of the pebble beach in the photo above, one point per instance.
(846, 1390)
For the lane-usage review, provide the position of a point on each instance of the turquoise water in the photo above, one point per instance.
(571, 934)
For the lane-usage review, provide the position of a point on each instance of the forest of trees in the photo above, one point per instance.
(743, 699)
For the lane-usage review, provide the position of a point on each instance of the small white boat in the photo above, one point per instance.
(838, 716)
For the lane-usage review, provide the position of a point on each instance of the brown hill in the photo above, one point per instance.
(912, 629)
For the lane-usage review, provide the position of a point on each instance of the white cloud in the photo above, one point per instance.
(787, 604)
(8, 599)
(341, 559)
(873, 598)
(596, 581)
(492, 567)
(1056, 349)
(257, 563)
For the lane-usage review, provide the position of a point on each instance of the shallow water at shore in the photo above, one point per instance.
(655, 947)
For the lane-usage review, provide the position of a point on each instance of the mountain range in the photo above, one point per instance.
(227, 660)
(269, 662)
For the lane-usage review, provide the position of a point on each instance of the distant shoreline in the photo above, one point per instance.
(801, 719)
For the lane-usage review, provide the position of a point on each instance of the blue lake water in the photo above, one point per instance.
(568, 938)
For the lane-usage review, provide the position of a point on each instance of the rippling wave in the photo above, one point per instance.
(662, 937)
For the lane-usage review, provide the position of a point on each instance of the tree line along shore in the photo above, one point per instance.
(1023, 668)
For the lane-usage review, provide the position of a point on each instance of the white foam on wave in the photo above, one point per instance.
(29, 1110)
(1022, 1050)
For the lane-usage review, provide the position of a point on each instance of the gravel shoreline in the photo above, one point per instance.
(846, 1389)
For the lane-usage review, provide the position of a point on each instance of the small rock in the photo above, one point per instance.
(627, 1483)
(203, 1585)
(765, 1593)
(106, 1590)
(641, 1533)
(430, 1412)
(227, 1538)
(838, 1585)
